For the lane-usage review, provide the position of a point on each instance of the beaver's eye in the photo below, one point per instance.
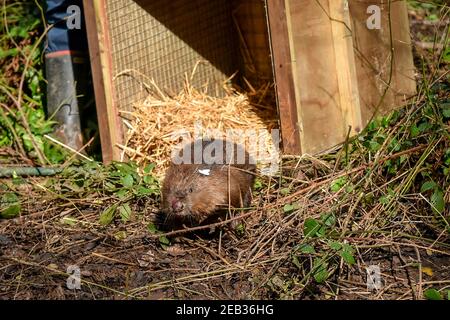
(191, 190)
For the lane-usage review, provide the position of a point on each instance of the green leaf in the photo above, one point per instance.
(446, 56)
(424, 126)
(120, 235)
(296, 262)
(125, 167)
(125, 212)
(110, 186)
(328, 219)
(307, 249)
(288, 208)
(347, 247)
(374, 146)
(11, 211)
(122, 193)
(142, 191)
(321, 275)
(164, 240)
(311, 227)
(8, 198)
(107, 215)
(447, 157)
(335, 245)
(9, 52)
(149, 168)
(285, 191)
(240, 229)
(17, 181)
(152, 228)
(127, 181)
(337, 184)
(9, 206)
(414, 131)
(437, 200)
(69, 221)
(320, 270)
(384, 199)
(321, 231)
(432, 294)
(403, 158)
(258, 184)
(347, 254)
(149, 180)
(428, 186)
(432, 17)
(348, 257)
(446, 112)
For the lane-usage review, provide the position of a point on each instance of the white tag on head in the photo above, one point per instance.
(204, 172)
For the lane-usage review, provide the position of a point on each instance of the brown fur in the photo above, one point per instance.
(227, 185)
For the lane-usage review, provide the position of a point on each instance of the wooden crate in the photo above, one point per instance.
(331, 72)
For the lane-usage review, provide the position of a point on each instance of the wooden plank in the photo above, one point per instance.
(345, 63)
(315, 72)
(405, 83)
(101, 65)
(373, 57)
(283, 74)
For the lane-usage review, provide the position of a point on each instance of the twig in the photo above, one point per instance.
(419, 284)
(112, 259)
(208, 226)
(18, 101)
(40, 155)
(357, 169)
(32, 264)
(68, 161)
(67, 147)
(11, 128)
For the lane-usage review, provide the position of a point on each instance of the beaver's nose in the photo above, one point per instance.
(177, 205)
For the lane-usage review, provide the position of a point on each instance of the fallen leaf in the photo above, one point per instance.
(428, 271)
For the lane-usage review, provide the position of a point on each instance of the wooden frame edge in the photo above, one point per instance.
(283, 74)
(101, 65)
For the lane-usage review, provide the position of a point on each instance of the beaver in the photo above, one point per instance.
(205, 178)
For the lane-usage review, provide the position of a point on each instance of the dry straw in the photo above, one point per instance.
(161, 122)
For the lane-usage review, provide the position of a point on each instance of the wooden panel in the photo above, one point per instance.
(330, 69)
(373, 57)
(325, 81)
(101, 66)
(283, 72)
(345, 63)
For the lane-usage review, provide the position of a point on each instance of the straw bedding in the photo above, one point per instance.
(163, 122)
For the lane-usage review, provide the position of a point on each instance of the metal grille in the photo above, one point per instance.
(163, 40)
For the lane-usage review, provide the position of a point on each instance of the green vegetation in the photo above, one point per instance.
(322, 220)
(23, 122)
